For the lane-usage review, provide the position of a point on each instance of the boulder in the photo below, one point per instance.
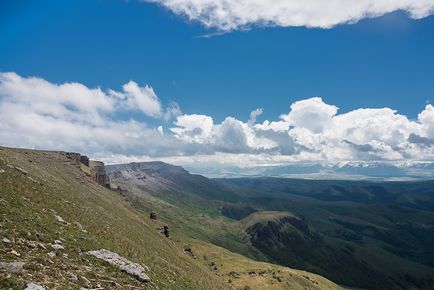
(21, 170)
(60, 219)
(153, 215)
(166, 231)
(57, 247)
(131, 268)
(85, 281)
(14, 267)
(78, 225)
(34, 286)
(73, 278)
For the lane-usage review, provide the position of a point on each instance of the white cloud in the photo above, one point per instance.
(37, 113)
(227, 15)
(193, 128)
(254, 115)
(426, 118)
(313, 130)
(143, 98)
(312, 114)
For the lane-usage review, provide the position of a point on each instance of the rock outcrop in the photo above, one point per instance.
(153, 216)
(94, 169)
(98, 173)
(14, 267)
(131, 268)
(34, 286)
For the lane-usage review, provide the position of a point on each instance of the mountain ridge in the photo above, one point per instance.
(53, 215)
(343, 170)
(359, 224)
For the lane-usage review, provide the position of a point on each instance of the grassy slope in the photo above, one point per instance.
(27, 217)
(241, 271)
(188, 213)
(389, 238)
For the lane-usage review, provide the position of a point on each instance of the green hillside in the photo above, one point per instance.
(360, 234)
(45, 200)
(53, 186)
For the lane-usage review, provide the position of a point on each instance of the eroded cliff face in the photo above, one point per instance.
(53, 218)
(98, 173)
(94, 169)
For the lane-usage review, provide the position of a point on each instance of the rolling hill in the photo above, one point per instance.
(362, 234)
(54, 221)
(224, 233)
(381, 232)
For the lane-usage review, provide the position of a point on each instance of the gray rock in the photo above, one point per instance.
(58, 242)
(6, 241)
(73, 278)
(32, 245)
(57, 247)
(85, 281)
(34, 286)
(21, 170)
(33, 180)
(2, 171)
(131, 268)
(60, 219)
(14, 267)
(52, 254)
(78, 225)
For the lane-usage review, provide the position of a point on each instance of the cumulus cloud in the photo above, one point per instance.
(312, 114)
(133, 97)
(254, 115)
(144, 98)
(426, 118)
(227, 15)
(193, 128)
(314, 131)
(39, 114)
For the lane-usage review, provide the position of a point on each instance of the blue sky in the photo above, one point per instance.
(387, 61)
(206, 74)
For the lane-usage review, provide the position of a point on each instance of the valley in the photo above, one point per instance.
(347, 231)
(52, 216)
(262, 233)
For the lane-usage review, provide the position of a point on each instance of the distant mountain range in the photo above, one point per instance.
(56, 224)
(378, 170)
(226, 233)
(359, 233)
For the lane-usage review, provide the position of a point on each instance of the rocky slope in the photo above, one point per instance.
(59, 230)
(52, 215)
(373, 235)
